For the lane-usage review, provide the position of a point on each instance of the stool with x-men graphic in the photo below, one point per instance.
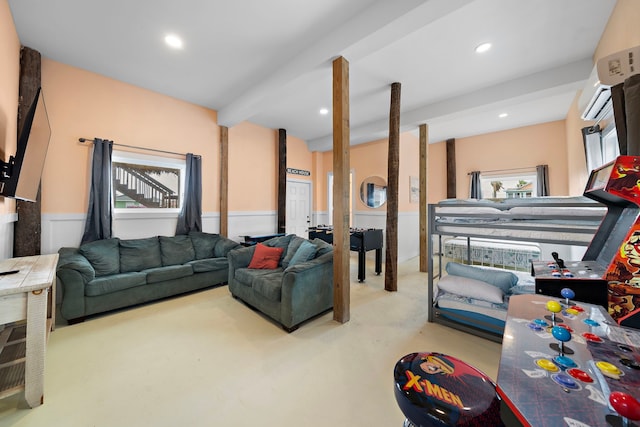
(433, 390)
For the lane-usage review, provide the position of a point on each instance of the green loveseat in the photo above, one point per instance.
(290, 293)
(109, 274)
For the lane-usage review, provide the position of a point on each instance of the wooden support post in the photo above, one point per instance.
(282, 181)
(27, 231)
(341, 209)
(391, 252)
(224, 181)
(451, 168)
(425, 244)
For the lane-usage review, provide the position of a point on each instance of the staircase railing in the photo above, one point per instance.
(142, 188)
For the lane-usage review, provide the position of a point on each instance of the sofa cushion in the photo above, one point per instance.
(170, 272)
(323, 247)
(246, 276)
(104, 256)
(139, 254)
(116, 282)
(268, 285)
(223, 246)
(265, 257)
(280, 242)
(203, 243)
(292, 247)
(209, 264)
(176, 250)
(305, 252)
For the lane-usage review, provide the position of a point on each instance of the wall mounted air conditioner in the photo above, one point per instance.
(595, 101)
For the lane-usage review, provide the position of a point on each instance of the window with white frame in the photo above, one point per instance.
(509, 185)
(146, 182)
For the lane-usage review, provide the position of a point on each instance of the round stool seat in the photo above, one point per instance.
(433, 390)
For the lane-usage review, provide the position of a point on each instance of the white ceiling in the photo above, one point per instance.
(269, 61)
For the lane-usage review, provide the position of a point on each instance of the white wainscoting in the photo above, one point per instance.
(65, 230)
(408, 228)
(6, 235)
(251, 223)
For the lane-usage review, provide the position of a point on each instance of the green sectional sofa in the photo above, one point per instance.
(109, 274)
(298, 287)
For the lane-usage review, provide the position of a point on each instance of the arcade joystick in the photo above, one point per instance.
(562, 335)
(554, 307)
(626, 406)
(568, 294)
(559, 261)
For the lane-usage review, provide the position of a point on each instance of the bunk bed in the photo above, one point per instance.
(497, 236)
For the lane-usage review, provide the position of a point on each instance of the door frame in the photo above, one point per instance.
(310, 184)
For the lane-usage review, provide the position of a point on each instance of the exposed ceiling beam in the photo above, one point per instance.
(358, 37)
(569, 77)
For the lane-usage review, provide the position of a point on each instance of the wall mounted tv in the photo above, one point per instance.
(20, 176)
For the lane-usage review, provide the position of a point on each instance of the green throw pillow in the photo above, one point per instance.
(305, 252)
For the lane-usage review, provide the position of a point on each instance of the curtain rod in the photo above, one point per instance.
(531, 168)
(138, 148)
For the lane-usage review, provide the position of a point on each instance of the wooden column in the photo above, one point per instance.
(391, 251)
(224, 181)
(451, 168)
(282, 181)
(341, 283)
(28, 229)
(425, 244)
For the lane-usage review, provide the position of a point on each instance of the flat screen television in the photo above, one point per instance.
(20, 177)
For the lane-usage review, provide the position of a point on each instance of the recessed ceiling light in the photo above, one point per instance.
(503, 115)
(324, 111)
(173, 41)
(483, 47)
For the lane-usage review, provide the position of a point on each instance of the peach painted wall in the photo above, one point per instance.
(9, 76)
(370, 159)
(299, 157)
(622, 32)
(524, 147)
(253, 154)
(85, 104)
(436, 172)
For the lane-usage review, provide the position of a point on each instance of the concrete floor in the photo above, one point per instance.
(206, 359)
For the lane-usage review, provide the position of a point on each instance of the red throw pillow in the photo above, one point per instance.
(266, 257)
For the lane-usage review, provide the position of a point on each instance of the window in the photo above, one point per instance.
(504, 185)
(147, 182)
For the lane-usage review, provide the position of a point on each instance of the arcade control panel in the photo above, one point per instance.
(585, 278)
(567, 363)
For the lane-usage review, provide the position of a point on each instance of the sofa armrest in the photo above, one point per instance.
(238, 258)
(73, 272)
(72, 260)
(307, 290)
(224, 245)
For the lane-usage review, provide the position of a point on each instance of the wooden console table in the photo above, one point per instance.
(27, 315)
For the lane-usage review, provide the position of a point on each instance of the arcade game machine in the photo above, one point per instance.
(609, 273)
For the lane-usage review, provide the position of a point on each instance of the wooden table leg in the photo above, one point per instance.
(35, 350)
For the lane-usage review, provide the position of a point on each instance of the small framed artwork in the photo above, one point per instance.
(414, 189)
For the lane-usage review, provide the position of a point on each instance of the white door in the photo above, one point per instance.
(298, 208)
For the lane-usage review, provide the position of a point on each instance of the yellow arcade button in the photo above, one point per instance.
(547, 364)
(608, 368)
(572, 311)
(554, 306)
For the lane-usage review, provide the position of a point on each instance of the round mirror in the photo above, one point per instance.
(373, 191)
